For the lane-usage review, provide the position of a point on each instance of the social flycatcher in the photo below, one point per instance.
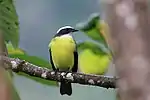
(63, 55)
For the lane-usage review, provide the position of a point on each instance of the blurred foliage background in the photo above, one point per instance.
(28, 30)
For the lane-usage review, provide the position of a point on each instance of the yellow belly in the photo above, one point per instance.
(62, 53)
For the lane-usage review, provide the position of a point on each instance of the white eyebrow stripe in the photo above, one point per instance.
(63, 28)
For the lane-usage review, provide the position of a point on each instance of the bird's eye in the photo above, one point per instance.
(68, 29)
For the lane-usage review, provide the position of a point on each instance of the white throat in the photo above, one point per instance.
(66, 35)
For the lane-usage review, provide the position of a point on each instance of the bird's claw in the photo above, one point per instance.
(56, 71)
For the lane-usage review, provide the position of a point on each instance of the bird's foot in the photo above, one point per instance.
(56, 70)
(67, 72)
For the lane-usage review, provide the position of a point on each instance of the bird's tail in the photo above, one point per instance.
(65, 88)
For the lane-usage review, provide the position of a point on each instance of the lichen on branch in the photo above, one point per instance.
(18, 65)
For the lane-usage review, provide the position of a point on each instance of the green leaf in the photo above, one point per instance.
(97, 49)
(19, 53)
(92, 59)
(12, 50)
(9, 24)
(92, 29)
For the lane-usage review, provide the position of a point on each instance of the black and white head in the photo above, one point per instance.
(66, 30)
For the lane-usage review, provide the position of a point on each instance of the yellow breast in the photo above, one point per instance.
(62, 49)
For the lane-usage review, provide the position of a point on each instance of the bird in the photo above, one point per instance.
(64, 55)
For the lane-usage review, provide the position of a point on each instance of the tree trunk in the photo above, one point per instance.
(130, 40)
(5, 89)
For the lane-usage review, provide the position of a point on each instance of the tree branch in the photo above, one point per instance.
(18, 65)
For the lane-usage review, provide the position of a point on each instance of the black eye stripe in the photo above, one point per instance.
(65, 31)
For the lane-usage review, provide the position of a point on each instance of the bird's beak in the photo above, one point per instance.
(75, 30)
